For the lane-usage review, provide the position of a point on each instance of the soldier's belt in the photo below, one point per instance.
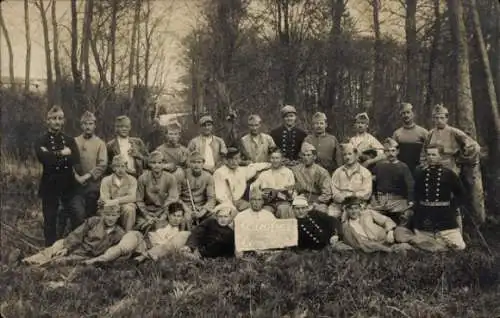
(436, 203)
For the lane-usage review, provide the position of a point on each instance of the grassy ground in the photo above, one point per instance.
(308, 284)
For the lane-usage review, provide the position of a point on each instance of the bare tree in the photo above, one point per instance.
(429, 98)
(378, 64)
(27, 32)
(411, 51)
(9, 49)
(133, 46)
(465, 106)
(77, 77)
(86, 35)
(57, 62)
(112, 42)
(48, 59)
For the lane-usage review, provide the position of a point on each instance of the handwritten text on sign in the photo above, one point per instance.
(265, 234)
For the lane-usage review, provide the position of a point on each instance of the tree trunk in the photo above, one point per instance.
(497, 7)
(77, 77)
(133, 46)
(429, 99)
(86, 33)
(48, 58)
(411, 51)
(9, 50)
(57, 63)
(377, 94)
(112, 44)
(333, 85)
(465, 107)
(28, 46)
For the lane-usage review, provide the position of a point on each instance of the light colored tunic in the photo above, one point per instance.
(356, 181)
(256, 148)
(278, 179)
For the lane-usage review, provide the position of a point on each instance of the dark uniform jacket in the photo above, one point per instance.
(289, 141)
(211, 239)
(315, 230)
(57, 176)
(438, 190)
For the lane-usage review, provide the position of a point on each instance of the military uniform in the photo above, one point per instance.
(58, 181)
(289, 140)
(316, 230)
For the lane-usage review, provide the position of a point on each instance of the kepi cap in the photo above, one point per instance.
(288, 109)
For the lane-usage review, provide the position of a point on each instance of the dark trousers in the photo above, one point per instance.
(51, 215)
(82, 204)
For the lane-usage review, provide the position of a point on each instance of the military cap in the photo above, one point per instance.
(319, 116)
(110, 208)
(256, 193)
(122, 118)
(405, 107)
(87, 117)
(288, 109)
(300, 200)
(155, 155)
(226, 206)
(195, 155)
(390, 142)
(307, 147)
(254, 119)
(232, 152)
(206, 119)
(439, 109)
(352, 200)
(118, 159)
(362, 118)
(174, 125)
(55, 110)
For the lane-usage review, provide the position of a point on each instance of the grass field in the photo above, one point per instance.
(307, 284)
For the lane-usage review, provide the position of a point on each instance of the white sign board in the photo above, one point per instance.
(253, 235)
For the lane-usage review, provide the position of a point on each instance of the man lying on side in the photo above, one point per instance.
(90, 239)
(152, 245)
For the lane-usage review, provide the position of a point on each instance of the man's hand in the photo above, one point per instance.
(92, 261)
(170, 167)
(44, 149)
(61, 252)
(66, 151)
(390, 237)
(334, 240)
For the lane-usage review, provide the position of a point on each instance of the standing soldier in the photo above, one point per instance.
(93, 164)
(329, 154)
(288, 138)
(410, 138)
(370, 150)
(255, 146)
(131, 148)
(211, 147)
(58, 153)
(175, 155)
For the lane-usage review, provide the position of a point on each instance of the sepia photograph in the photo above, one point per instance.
(250, 158)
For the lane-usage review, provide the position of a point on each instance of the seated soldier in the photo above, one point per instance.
(197, 190)
(367, 230)
(394, 186)
(175, 155)
(152, 245)
(132, 149)
(256, 146)
(214, 237)
(156, 189)
(351, 179)
(231, 179)
(437, 192)
(277, 184)
(370, 150)
(256, 210)
(120, 188)
(312, 180)
(316, 229)
(92, 238)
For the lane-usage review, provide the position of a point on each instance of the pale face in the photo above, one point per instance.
(110, 218)
(433, 156)
(300, 211)
(122, 128)
(440, 120)
(276, 160)
(234, 162)
(256, 203)
(353, 211)
(319, 127)
(176, 218)
(360, 127)
(156, 165)
(308, 158)
(88, 128)
(407, 116)
(290, 119)
(173, 137)
(197, 165)
(254, 128)
(391, 152)
(55, 121)
(120, 169)
(349, 156)
(224, 217)
(207, 129)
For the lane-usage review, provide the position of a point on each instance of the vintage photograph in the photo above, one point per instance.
(250, 158)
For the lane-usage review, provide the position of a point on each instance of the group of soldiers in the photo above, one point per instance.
(121, 199)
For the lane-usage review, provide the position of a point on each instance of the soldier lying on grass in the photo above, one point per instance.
(152, 245)
(90, 239)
